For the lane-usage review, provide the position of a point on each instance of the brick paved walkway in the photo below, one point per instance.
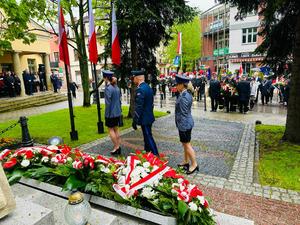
(261, 210)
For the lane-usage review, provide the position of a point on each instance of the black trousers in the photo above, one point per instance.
(243, 106)
(264, 99)
(214, 104)
(226, 103)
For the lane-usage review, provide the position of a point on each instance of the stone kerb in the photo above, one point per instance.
(150, 216)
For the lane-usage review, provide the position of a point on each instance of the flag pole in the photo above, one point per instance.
(73, 133)
(99, 123)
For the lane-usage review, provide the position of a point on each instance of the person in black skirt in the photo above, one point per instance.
(113, 109)
(185, 123)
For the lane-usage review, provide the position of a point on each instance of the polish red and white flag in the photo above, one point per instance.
(179, 43)
(241, 71)
(93, 52)
(115, 44)
(63, 42)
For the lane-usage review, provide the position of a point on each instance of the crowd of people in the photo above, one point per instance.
(10, 83)
(230, 92)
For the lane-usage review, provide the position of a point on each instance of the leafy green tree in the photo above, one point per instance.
(20, 12)
(281, 31)
(191, 43)
(142, 26)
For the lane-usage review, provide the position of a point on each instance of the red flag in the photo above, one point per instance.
(93, 53)
(115, 44)
(63, 43)
(179, 43)
(241, 70)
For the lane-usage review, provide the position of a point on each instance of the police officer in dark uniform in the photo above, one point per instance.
(214, 93)
(143, 114)
(244, 89)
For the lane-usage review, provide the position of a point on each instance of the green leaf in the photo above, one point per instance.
(15, 176)
(38, 173)
(182, 208)
(73, 183)
(64, 171)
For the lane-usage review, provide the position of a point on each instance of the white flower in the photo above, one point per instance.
(193, 206)
(181, 187)
(175, 185)
(201, 199)
(146, 164)
(52, 147)
(147, 192)
(45, 159)
(211, 211)
(190, 187)
(25, 163)
(174, 191)
(69, 159)
(104, 169)
(180, 180)
(200, 209)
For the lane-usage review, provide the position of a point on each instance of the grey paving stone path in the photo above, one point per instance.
(216, 144)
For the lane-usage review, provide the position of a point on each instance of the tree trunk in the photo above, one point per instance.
(134, 56)
(292, 131)
(83, 62)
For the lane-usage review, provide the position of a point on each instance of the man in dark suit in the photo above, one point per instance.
(143, 114)
(243, 88)
(264, 88)
(214, 93)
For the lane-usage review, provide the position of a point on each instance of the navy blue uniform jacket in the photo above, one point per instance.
(243, 88)
(143, 113)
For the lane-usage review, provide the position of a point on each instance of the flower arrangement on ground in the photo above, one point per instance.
(142, 180)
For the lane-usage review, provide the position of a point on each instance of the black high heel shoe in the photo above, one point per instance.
(188, 172)
(116, 152)
(184, 166)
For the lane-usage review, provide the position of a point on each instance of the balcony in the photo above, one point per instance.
(216, 26)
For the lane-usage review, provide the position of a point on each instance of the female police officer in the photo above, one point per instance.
(184, 122)
(113, 110)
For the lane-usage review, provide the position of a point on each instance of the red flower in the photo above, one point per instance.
(65, 150)
(172, 174)
(138, 152)
(196, 192)
(29, 154)
(4, 154)
(9, 164)
(77, 164)
(206, 203)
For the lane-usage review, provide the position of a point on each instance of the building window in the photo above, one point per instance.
(56, 56)
(76, 55)
(31, 65)
(249, 35)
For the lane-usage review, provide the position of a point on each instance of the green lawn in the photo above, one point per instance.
(279, 163)
(44, 126)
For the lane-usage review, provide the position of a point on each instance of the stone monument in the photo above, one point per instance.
(7, 201)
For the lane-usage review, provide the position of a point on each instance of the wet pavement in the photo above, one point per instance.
(215, 142)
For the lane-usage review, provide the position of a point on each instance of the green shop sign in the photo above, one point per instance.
(221, 51)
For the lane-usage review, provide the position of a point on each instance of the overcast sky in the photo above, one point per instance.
(201, 4)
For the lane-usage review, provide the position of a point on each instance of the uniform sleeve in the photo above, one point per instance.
(108, 96)
(139, 103)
